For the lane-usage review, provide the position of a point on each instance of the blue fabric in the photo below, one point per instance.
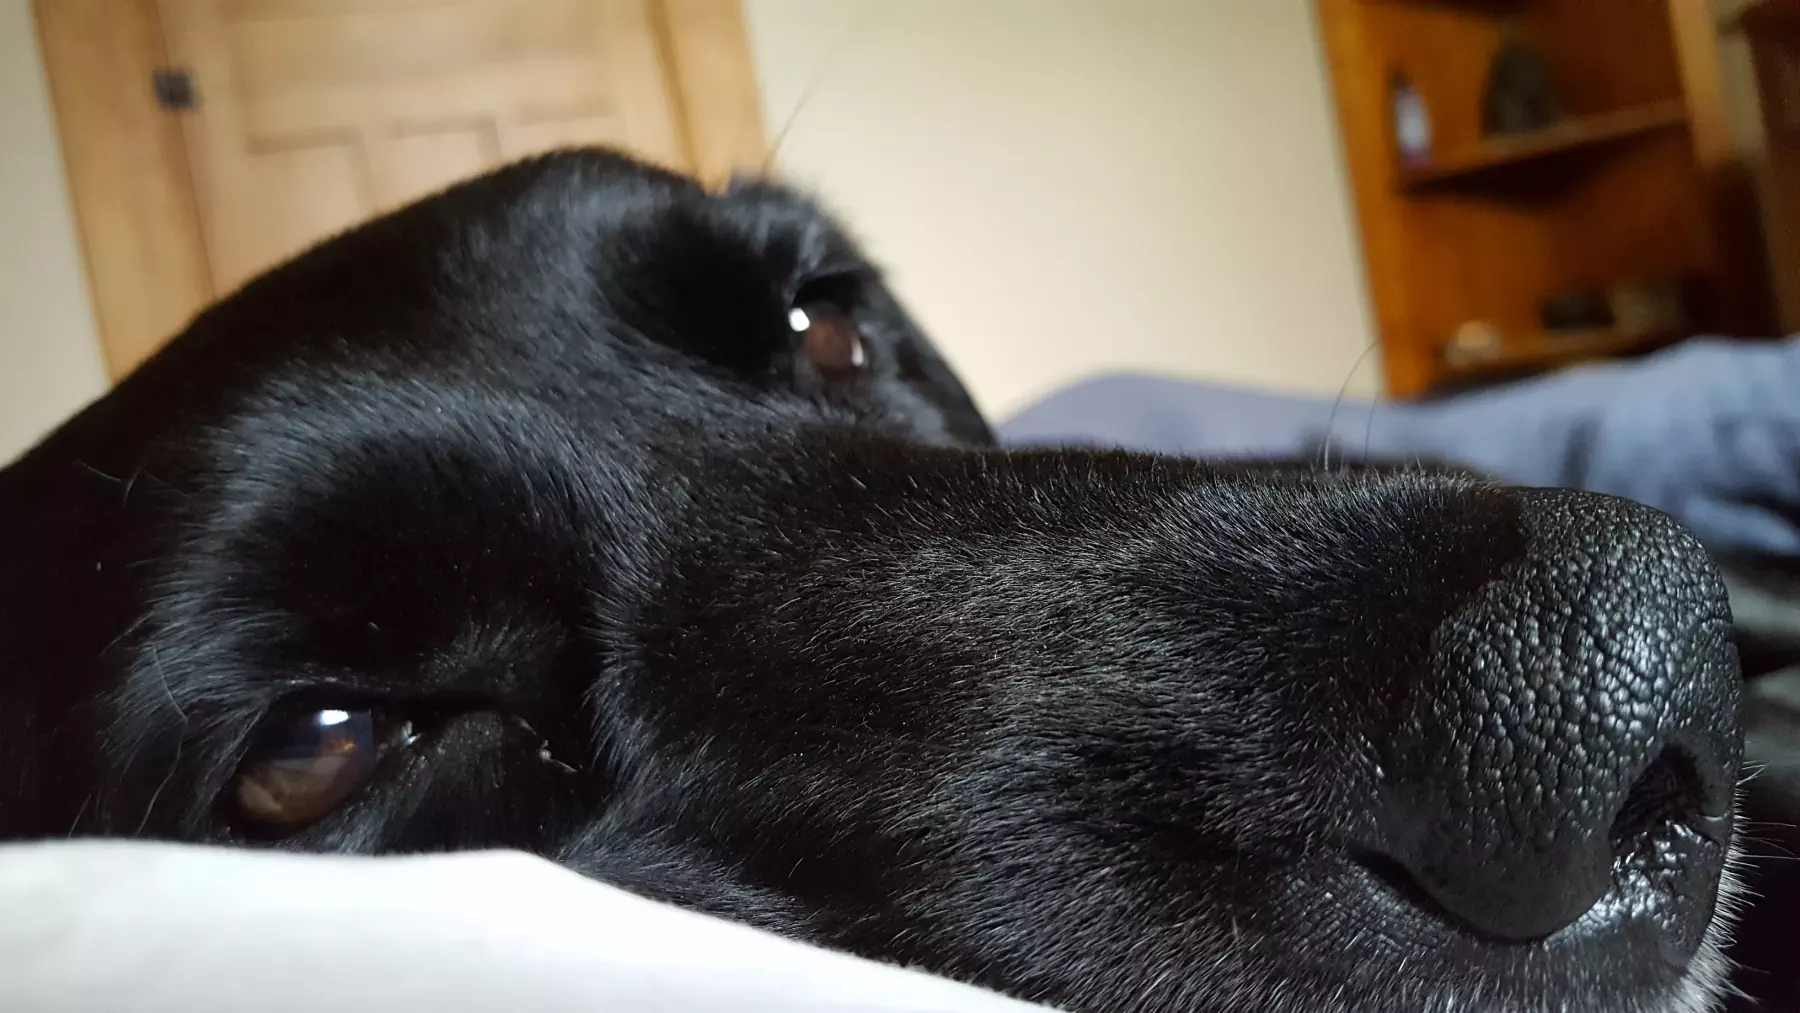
(1708, 430)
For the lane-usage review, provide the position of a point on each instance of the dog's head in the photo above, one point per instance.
(582, 511)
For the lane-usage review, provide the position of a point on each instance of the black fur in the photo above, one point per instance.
(536, 464)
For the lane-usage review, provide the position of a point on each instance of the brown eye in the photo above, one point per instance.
(298, 772)
(830, 338)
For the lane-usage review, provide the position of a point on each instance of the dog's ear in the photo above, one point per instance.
(81, 516)
(53, 555)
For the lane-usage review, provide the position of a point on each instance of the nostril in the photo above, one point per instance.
(1570, 744)
(1659, 840)
(1669, 793)
(1397, 878)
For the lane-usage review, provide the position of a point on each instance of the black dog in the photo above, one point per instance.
(581, 511)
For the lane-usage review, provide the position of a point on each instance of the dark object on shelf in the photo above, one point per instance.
(1649, 307)
(1474, 343)
(1520, 96)
(1575, 311)
(1524, 354)
(1493, 158)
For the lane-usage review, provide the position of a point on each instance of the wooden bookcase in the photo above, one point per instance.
(1773, 30)
(1637, 182)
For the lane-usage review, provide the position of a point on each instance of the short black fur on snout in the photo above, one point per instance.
(540, 468)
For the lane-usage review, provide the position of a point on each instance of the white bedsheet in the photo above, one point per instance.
(116, 926)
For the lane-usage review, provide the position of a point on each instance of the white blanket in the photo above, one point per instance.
(112, 926)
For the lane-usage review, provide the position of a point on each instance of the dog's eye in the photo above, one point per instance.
(829, 337)
(300, 770)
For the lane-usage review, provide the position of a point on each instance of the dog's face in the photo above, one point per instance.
(581, 511)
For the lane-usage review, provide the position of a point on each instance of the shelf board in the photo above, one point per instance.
(1481, 6)
(1551, 349)
(1769, 15)
(1571, 135)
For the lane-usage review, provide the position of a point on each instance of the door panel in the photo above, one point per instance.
(316, 114)
(312, 189)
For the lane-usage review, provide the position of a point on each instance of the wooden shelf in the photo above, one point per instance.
(1551, 349)
(1758, 17)
(1487, 6)
(1627, 188)
(1496, 154)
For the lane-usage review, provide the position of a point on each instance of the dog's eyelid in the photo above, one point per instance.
(833, 267)
(833, 283)
(373, 694)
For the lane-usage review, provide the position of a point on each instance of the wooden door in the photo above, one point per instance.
(305, 117)
(313, 115)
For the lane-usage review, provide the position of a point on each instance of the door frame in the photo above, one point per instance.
(132, 191)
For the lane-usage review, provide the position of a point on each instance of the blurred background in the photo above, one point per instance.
(1397, 198)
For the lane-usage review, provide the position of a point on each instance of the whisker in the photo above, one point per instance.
(833, 53)
(83, 465)
(79, 813)
(1337, 403)
(162, 674)
(870, 735)
(131, 628)
(155, 796)
(1757, 856)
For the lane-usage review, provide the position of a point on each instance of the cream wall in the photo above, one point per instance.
(49, 356)
(1064, 186)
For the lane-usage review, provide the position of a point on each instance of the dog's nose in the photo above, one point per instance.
(1573, 745)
